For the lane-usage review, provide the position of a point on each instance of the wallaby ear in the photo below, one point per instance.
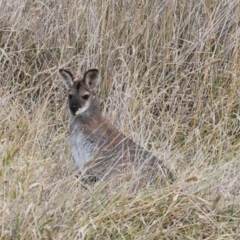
(91, 78)
(66, 77)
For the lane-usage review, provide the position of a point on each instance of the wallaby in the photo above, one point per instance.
(97, 145)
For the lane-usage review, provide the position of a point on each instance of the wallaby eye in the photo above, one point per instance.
(70, 96)
(85, 97)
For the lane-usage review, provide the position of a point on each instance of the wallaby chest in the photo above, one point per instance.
(82, 147)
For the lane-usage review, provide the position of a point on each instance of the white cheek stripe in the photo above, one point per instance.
(83, 109)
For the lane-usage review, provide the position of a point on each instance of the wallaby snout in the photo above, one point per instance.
(74, 106)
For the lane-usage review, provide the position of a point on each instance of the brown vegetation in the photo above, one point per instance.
(169, 79)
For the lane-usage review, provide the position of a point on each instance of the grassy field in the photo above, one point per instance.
(170, 80)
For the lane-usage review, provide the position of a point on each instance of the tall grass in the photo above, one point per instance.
(169, 80)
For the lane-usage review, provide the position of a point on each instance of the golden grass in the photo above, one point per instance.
(169, 79)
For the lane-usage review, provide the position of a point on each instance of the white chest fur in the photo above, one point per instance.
(82, 147)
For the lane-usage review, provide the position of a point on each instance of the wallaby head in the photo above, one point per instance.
(82, 98)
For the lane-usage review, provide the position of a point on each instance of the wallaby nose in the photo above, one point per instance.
(73, 108)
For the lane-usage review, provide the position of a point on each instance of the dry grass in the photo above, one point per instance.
(169, 79)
